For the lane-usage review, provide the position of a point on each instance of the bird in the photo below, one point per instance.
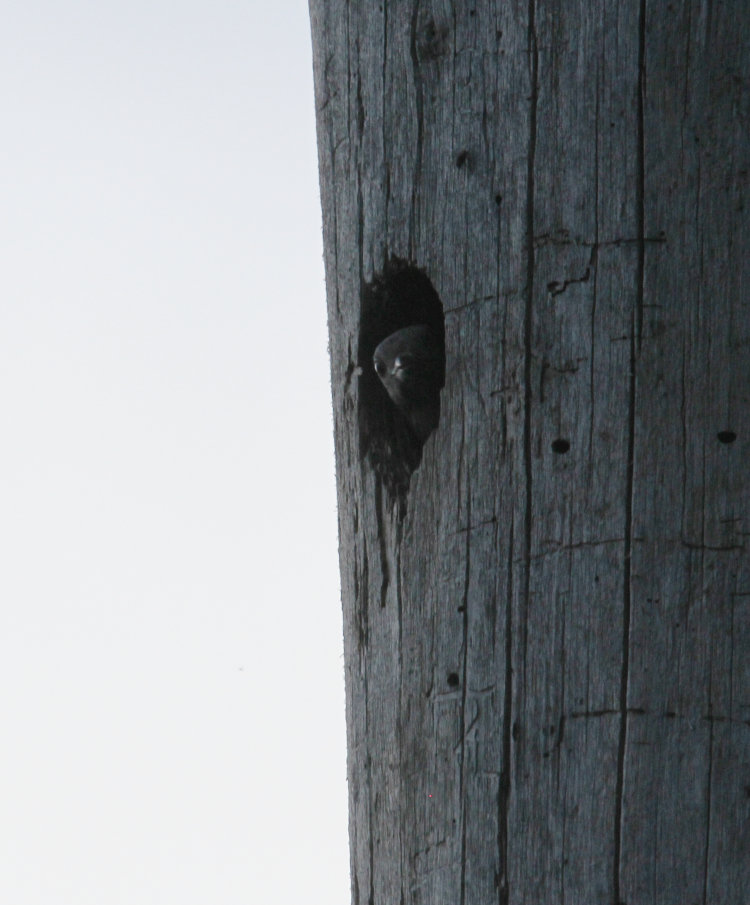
(409, 364)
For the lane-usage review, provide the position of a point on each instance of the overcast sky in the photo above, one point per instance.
(172, 707)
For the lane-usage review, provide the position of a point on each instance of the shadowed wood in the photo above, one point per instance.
(548, 645)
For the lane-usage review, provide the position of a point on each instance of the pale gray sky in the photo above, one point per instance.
(172, 706)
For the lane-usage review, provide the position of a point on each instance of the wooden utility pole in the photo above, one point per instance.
(547, 606)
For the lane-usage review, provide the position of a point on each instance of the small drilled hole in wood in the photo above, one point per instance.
(726, 436)
(462, 159)
(560, 445)
(453, 679)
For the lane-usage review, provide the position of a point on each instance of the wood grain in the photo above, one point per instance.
(548, 647)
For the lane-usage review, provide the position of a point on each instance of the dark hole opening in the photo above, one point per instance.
(392, 436)
(726, 436)
(453, 679)
(560, 445)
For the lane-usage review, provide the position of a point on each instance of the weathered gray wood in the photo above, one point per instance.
(548, 655)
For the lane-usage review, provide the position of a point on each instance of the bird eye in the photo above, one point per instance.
(380, 368)
(403, 362)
